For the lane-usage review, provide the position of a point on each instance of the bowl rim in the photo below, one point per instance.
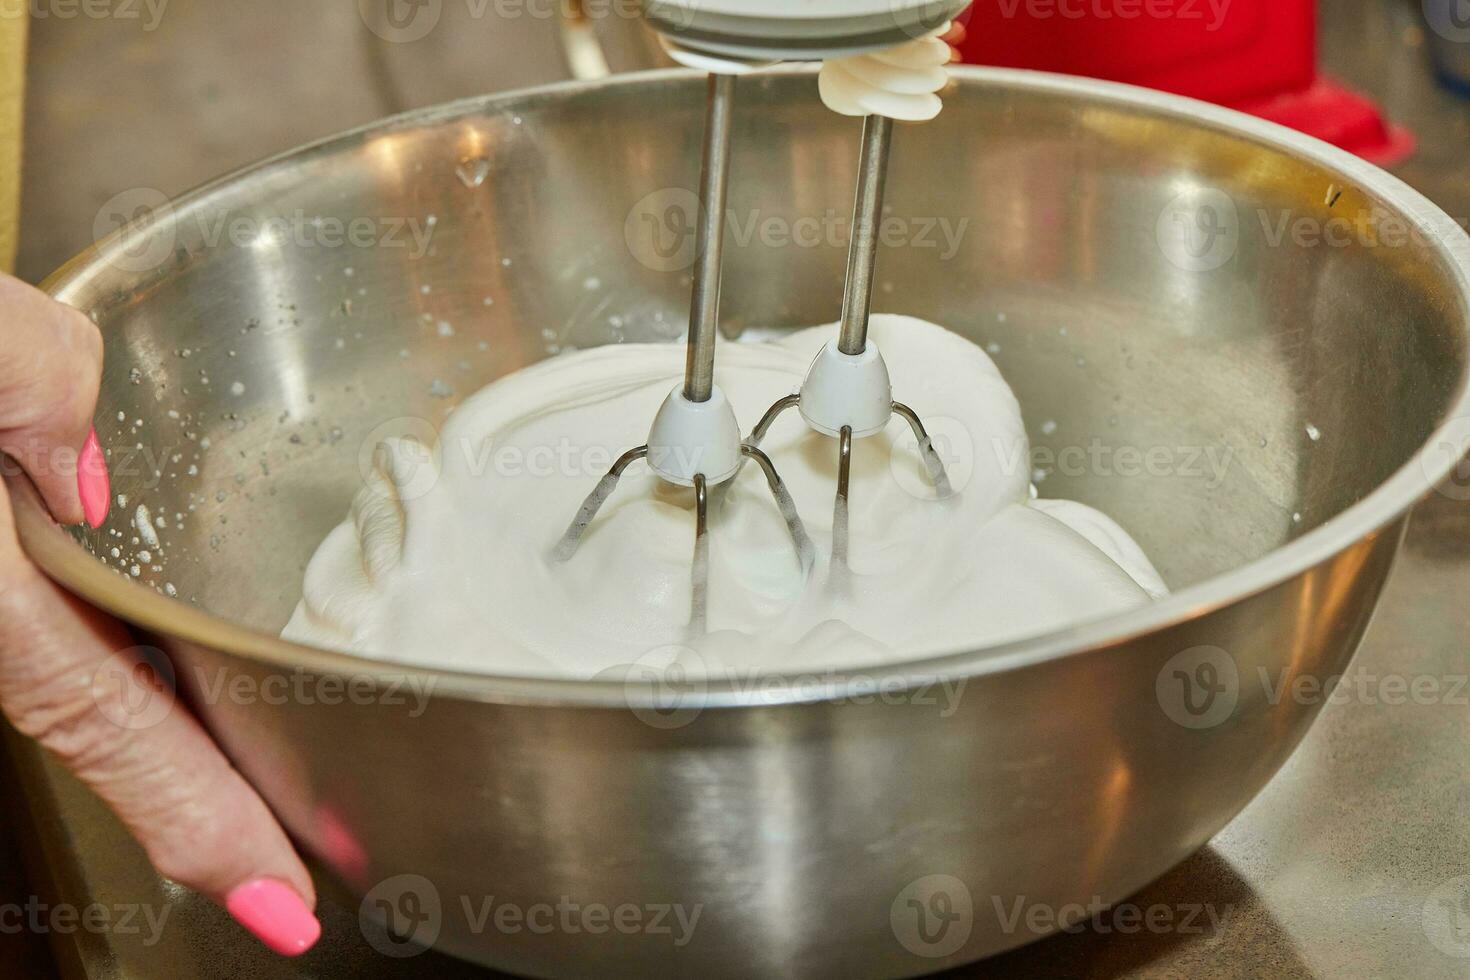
(63, 559)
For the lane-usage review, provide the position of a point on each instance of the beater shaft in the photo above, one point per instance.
(714, 180)
(867, 217)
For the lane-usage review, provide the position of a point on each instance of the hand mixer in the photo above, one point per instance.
(695, 438)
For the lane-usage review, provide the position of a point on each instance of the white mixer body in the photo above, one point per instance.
(796, 30)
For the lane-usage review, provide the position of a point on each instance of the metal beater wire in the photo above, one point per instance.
(699, 591)
(572, 539)
(927, 452)
(839, 505)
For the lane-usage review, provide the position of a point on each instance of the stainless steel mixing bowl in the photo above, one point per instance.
(1138, 265)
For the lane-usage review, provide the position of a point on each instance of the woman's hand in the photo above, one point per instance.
(200, 822)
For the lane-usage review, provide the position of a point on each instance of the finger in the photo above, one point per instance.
(64, 682)
(50, 367)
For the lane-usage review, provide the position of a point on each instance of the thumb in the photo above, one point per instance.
(51, 361)
(71, 678)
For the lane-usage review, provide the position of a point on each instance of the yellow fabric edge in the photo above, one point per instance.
(13, 21)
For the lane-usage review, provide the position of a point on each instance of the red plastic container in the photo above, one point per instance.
(1259, 56)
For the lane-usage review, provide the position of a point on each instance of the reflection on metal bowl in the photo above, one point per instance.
(1252, 347)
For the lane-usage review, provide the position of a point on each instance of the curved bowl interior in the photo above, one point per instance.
(1217, 340)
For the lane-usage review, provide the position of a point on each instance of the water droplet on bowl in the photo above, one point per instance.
(143, 521)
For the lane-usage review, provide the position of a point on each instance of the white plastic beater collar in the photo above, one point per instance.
(693, 438)
(843, 390)
(715, 64)
(901, 82)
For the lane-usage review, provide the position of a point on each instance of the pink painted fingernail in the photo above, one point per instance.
(92, 481)
(277, 916)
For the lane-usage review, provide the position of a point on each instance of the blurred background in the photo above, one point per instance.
(180, 91)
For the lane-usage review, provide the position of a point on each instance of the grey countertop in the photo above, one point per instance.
(1354, 862)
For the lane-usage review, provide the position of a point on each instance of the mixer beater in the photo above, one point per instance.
(695, 438)
(847, 392)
